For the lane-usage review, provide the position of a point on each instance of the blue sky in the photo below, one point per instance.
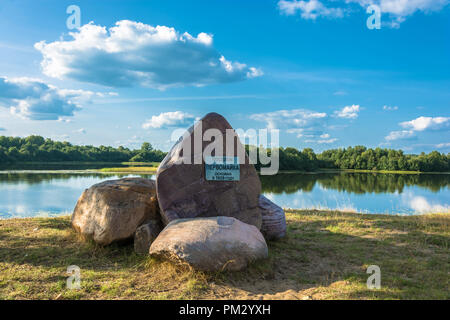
(312, 69)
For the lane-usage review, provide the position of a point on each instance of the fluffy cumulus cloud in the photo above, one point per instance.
(133, 53)
(396, 10)
(348, 112)
(311, 9)
(37, 100)
(399, 10)
(169, 119)
(417, 125)
(427, 123)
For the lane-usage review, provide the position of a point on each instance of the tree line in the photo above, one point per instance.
(38, 149)
(360, 158)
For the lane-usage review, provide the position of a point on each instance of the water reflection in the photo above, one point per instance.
(361, 192)
(359, 183)
(45, 194)
(25, 194)
(29, 178)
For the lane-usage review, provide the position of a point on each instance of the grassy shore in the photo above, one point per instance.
(129, 170)
(151, 168)
(147, 167)
(133, 167)
(324, 256)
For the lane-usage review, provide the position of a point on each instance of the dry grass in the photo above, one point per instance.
(324, 256)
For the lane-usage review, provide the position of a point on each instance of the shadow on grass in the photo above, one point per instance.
(413, 264)
(59, 224)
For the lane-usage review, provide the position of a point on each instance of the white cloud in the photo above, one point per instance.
(403, 134)
(327, 141)
(443, 145)
(297, 131)
(133, 142)
(403, 8)
(322, 141)
(81, 130)
(427, 123)
(36, 100)
(133, 53)
(65, 120)
(348, 112)
(290, 119)
(305, 124)
(389, 108)
(61, 137)
(418, 125)
(169, 119)
(397, 10)
(311, 9)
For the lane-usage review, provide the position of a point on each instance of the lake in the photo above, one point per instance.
(38, 193)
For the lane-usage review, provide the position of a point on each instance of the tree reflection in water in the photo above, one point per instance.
(359, 183)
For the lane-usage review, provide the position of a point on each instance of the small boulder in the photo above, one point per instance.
(145, 235)
(112, 210)
(273, 219)
(210, 244)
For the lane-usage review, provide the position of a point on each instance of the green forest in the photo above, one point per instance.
(360, 158)
(38, 149)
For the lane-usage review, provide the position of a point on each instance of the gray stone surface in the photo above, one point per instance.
(145, 235)
(183, 191)
(210, 244)
(273, 219)
(112, 210)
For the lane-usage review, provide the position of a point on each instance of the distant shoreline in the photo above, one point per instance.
(151, 167)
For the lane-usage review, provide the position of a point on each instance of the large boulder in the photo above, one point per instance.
(273, 219)
(210, 244)
(112, 210)
(184, 192)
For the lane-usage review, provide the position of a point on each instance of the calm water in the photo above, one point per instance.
(25, 194)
